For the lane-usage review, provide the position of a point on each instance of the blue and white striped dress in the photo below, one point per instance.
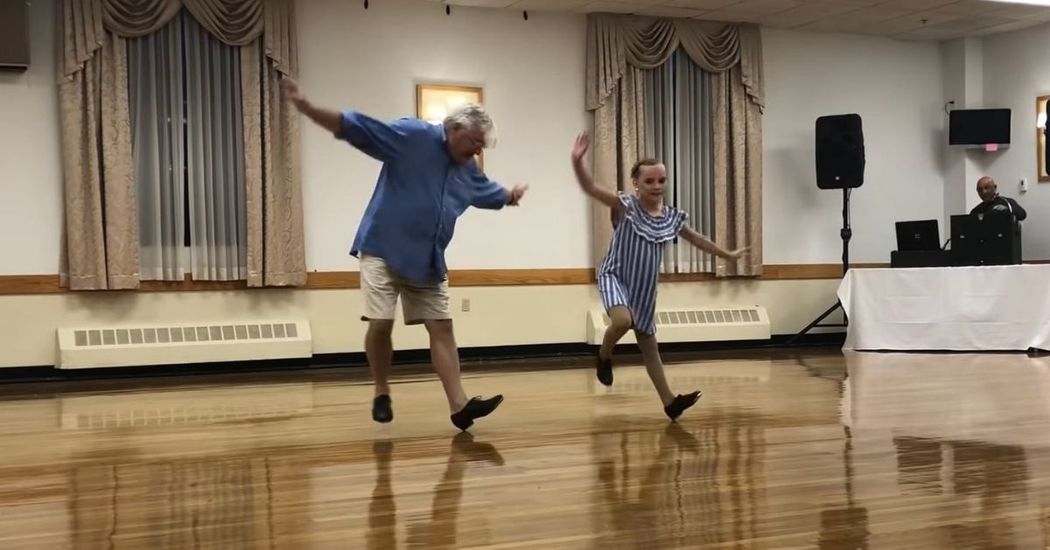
(628, 274)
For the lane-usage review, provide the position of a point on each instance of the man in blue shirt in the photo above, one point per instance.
(429, 177)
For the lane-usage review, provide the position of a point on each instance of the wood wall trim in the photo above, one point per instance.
(30, 284)
(781, 272)
(333, 280)
(340, 280)
(510, 277)
(188, 284)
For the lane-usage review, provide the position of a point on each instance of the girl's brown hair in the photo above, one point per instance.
(638, 166)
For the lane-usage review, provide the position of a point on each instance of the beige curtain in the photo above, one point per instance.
(738, 174)
(619, 45)
(275, 206)
(101, 224)
(101, 228)
(619, 140)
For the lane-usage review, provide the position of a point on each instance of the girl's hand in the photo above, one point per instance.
(583, 142)
(738, 253)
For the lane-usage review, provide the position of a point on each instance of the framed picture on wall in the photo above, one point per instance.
(1040, 138)
(435, 101)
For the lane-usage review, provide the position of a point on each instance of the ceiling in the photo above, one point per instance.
(904, 19)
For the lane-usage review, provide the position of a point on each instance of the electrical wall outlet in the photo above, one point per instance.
(466, 304)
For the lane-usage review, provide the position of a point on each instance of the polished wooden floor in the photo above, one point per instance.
(786, 450)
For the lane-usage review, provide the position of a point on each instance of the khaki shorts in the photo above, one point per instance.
(382, 287)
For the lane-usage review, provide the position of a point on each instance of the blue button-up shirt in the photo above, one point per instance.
(420, 193)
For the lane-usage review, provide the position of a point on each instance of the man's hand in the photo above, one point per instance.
(516, 194)
(290, 92)
(328, 119)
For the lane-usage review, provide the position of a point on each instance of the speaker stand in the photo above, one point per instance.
(846, 233)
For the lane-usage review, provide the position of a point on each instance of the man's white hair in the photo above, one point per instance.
(472, 117)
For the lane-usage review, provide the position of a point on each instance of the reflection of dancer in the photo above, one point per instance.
(382, 511)
(440, 531)
(656, 515)
(429, 178)
(628, 275)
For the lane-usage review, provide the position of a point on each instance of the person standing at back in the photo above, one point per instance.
(994, 203)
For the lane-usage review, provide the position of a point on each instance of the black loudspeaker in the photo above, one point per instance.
(985, 240)
(1046, 147)
(840, 152)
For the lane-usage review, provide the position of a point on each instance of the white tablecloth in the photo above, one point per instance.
(952, 308)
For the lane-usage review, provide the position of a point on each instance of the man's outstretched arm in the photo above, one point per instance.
(328, 119)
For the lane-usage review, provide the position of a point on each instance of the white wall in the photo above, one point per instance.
(498, 316)
(953, 72)
(533, 75)
(1016, 72)
(963, 74)
(896, 87)
(532, 72)
(30, 168)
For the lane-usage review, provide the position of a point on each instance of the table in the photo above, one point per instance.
(988, 308)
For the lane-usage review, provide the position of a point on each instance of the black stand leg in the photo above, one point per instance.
(846, 233)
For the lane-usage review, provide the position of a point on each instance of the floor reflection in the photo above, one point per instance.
(871, 451)
(971, 450)
(440, 529)
(171, 504)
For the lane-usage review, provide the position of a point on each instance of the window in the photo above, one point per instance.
(188, 149)
(678, 132)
